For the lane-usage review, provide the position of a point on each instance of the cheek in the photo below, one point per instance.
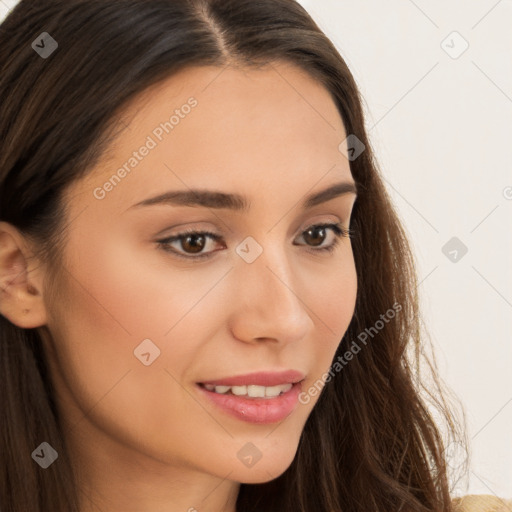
(331, 292)
(332, 304)
(112, 301)
(132, 292)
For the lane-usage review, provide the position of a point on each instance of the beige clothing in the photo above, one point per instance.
(482, 503)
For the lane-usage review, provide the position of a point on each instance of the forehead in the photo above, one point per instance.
(248, 90)
(239, 127)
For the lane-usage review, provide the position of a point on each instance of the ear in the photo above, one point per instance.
(21, 279)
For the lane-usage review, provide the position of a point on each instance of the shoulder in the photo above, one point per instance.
(481, 503)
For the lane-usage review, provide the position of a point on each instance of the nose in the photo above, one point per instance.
(269, 300)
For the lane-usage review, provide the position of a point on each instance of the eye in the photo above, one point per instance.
(316, 231)
(193, 242)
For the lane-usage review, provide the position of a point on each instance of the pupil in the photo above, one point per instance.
(312, 230)
(195, 246)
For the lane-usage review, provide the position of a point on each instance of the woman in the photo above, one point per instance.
(207, 297)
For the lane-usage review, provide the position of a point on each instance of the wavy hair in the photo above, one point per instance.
(373, 442)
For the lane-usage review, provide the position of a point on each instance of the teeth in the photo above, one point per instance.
(252, 391)
(244, 390)
(218, 389)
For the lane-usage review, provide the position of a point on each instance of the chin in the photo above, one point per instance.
(261, 472)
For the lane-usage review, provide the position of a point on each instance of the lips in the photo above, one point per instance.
(266, 379)
(254, 410)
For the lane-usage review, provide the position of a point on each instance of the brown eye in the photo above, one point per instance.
(189, 243)
(315, 235)
(193, 243)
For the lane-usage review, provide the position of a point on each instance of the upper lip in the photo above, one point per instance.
(259, 379)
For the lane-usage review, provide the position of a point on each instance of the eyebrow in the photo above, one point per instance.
(236, 202)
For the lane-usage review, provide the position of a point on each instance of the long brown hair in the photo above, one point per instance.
(373, 442)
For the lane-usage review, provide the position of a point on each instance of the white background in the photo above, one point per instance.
(442, 131)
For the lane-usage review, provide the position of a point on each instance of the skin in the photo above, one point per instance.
(143, 437)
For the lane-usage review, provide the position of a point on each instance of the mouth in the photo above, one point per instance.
(253, 403)
(250, 391)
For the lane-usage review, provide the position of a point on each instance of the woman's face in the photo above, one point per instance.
(136, 325)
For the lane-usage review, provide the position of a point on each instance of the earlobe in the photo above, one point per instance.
(21, 300)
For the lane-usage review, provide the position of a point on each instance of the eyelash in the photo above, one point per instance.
(338, 230)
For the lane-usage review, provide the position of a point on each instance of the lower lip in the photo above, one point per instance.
(256, 410)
